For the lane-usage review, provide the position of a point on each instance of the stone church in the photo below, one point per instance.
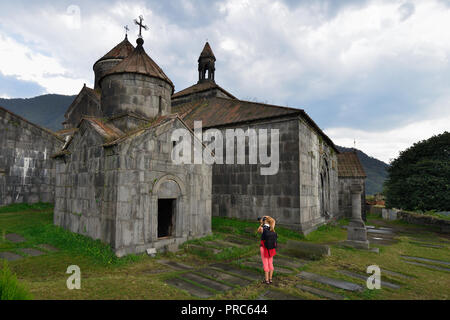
(111, 176)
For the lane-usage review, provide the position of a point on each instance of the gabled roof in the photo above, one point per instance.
(139, 62)
(94, 94)
(121, 51)
(201, 87)
(207, 52)
(216, 112)
(349, 165)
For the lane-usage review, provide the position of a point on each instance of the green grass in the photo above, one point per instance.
(10, 287)
(105, 276)
(20, 207)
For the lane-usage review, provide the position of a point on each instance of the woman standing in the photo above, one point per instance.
(267, 246)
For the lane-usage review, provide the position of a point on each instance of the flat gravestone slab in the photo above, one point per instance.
(48, 247)
(426, 260)
(216, 244)
(10, 256)
(320, 292)
(259, 265)
(241, 241)
(31, 252)
(427, 265)
(222, 276)
(293, 263)
(203, 249)
(364, 278)
(427, 245)
(189, 287)
(380, 231)
(278, 295)
(206, 282)
(16, 238)
(341, 284)
(237, 271)
(175, 265)
(395, 274)
(227, 244)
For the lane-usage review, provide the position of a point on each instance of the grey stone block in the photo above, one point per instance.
(306, 250)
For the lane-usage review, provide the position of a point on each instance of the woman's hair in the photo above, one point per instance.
(271, 222)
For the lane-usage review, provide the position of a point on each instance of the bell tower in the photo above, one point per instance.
(206, 65)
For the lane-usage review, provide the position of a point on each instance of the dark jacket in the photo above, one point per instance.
(265, 235)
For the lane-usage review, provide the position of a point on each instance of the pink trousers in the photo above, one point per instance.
(267, 262)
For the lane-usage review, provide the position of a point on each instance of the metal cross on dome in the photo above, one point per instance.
(126, 29)
(141, 25)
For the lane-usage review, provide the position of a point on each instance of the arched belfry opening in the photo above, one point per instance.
(324, 189)
(206, 64)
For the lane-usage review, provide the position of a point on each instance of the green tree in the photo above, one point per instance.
(419, 179)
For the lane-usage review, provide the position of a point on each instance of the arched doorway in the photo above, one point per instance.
(167, 203)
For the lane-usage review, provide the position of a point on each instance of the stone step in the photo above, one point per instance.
(10, 256)
(251, 275)
(16, 238)
(226, 277)
(426, 260)
(278, 295)
(320, 292)
(427, 265)
(341, 284)
(31, 252)
(175, 265)
(364, 278)
(217, 286)
(189, 287)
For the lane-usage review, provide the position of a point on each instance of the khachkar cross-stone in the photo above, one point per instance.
(141, 26)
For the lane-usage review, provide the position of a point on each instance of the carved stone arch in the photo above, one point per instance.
(158, 183)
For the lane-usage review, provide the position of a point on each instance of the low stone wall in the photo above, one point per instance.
(423, 219)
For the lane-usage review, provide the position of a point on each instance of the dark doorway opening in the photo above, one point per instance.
(166, 217)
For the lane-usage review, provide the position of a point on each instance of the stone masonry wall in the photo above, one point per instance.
(314, 153)
(240, 191)
(145, 167)
(26, 172)
(135, 93)
(86, 187)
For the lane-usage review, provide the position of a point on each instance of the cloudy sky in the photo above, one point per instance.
(374, 72)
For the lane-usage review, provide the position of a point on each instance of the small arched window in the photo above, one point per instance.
(160, 106)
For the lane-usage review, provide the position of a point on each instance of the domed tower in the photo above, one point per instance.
(111, 59)
(136, 85)
(206, 64)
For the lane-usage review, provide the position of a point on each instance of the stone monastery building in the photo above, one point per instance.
(111, 177)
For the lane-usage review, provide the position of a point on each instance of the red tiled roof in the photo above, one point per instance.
(201, 87)
(349, 165)
(121, 51)
(215, 112)
(139, 62)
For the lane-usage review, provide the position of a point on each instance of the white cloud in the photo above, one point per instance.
(23, 63)
(386, 145)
